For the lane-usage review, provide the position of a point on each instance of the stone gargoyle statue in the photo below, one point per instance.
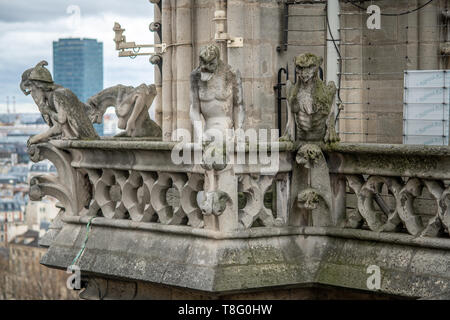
(217, 99)
(216, 95)
(60, 107)
(131, 106)
(310, 103)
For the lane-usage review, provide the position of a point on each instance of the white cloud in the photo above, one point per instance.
(23, 44)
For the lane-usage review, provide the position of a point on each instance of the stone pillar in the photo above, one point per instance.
(258, 22)
(158, 75)
(184, 67)
(174, 63)
(166, 18)
(428, 37)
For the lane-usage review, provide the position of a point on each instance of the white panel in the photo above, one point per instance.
(426, 107)
(426, 95)
(425, 127)
(424, 79)
(437, 111)
(426, 140)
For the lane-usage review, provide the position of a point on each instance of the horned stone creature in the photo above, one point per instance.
(60, 107)
(131, 107)
(311, 102)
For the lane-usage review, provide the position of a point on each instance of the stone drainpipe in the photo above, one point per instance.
(222, 26)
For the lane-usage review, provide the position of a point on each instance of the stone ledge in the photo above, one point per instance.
(219, 265)
(357, 234)
(147, 144)
(388, 149)
(184, 260)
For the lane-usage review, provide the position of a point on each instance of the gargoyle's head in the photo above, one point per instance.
(93, 112)
(209, 61)
(93, 109)
(307, 66)
(38, 75)
(25, 84)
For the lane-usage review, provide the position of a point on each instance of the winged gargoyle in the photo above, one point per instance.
(310, 103)
(131, 105)
(60, 107)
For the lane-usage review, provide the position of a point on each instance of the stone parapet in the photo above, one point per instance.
(311, 223)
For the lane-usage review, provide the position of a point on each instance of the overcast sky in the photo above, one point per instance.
(29, 27)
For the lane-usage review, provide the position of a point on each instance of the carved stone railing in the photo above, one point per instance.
(138, 181)
(322, 217)
(395, 188)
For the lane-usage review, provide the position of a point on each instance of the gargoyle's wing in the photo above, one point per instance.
(74, 113)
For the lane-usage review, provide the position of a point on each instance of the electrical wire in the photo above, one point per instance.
(88, 229)
(393, 14)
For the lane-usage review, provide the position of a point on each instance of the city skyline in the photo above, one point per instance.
(28, 33)
(78, 66)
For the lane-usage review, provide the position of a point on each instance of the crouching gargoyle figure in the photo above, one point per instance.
(311, 102)
(131, 106)
(60, 107)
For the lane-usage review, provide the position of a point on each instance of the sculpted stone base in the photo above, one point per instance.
(216, 264)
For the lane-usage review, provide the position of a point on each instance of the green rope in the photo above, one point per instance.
(88, 229)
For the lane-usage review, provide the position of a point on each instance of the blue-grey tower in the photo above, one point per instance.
(78, 66)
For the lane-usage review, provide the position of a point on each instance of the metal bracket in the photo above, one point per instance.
(220, 19)
(122, 45)
(235, 42)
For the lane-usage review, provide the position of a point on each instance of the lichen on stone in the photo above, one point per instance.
(309, 199)
(309, 155)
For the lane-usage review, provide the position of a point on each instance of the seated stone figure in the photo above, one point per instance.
(311, 102)
(60, 107)
(216, 95)
(131, 106)
(217, 98)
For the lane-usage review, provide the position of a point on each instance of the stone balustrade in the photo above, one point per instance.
(393, 188)
(138, 181)
(379, 188)
(322, 217)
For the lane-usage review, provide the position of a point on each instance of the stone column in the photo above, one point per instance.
(183, 53)
(428, 37)
(158, 75)
(166, 18)
(258, 22)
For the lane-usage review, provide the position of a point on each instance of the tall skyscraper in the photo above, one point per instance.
(78, 66)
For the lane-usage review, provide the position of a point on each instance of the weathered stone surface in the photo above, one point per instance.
(217, 266)
(216, 96)
(131, 107)
(60, 108)
(311, 102)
